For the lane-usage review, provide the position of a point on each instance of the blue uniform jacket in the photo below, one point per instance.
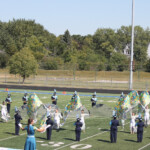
(25, 98)
(8, 100)
(140, 126)
(114, 124)
(94, 100)
(54, 97)
(17, 118)
(78, 126)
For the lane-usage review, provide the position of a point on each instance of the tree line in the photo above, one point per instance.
(24, 41)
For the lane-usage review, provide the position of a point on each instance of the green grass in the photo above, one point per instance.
(97, 129)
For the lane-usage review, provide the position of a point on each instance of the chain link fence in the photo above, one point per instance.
(81, 79)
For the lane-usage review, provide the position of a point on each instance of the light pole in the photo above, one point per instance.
(132, 44)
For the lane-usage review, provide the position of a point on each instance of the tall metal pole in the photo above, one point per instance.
(132, 44)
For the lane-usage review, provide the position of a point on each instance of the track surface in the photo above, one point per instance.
(46, 88)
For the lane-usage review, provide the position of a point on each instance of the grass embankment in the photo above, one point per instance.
(81, 79)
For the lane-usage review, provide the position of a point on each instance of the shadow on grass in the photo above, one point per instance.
(61, 129)
(124, 132)
(103, 141)
(41, 138)
(104, 129)
(10, 133)
(130, 140)
(69, 139)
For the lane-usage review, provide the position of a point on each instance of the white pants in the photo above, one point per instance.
(132, 126)
(83, 126)
(123, 122)
(4, 114)
(57, 123)
(146, 118)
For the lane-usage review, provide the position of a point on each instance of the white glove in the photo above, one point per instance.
(47, 126)
(20, 125)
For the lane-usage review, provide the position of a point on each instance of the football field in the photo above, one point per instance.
(96, 136)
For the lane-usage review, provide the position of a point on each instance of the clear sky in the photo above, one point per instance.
(78, 16)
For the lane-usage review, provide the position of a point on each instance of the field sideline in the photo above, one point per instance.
(96, 136)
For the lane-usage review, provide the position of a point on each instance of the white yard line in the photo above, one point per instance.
(68, 144)
(22, 134)
(144, 147)
(11, 137)
(83, 139)
(80, 140)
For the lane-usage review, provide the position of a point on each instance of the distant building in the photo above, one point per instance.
(2, 52)
(126, 51)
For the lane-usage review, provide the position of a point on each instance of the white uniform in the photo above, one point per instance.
(57, 117)
(123, 123)
(146, 115)
(132, 123)
(4, 112)
(83, 121)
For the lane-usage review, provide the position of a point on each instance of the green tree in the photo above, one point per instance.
(21, 31)
(148, 66)
(101, 66)
(51, 63)
(142, 39)
(67, 56)
(37, 47)
(88, 42)
(59, 47)
(23, 63)
(77, 41)
(123, 38)
(119, 62)
(107, 49)
(104, 41)
(87, 61)
(3, 59)
(7, 43)
(67, 38)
